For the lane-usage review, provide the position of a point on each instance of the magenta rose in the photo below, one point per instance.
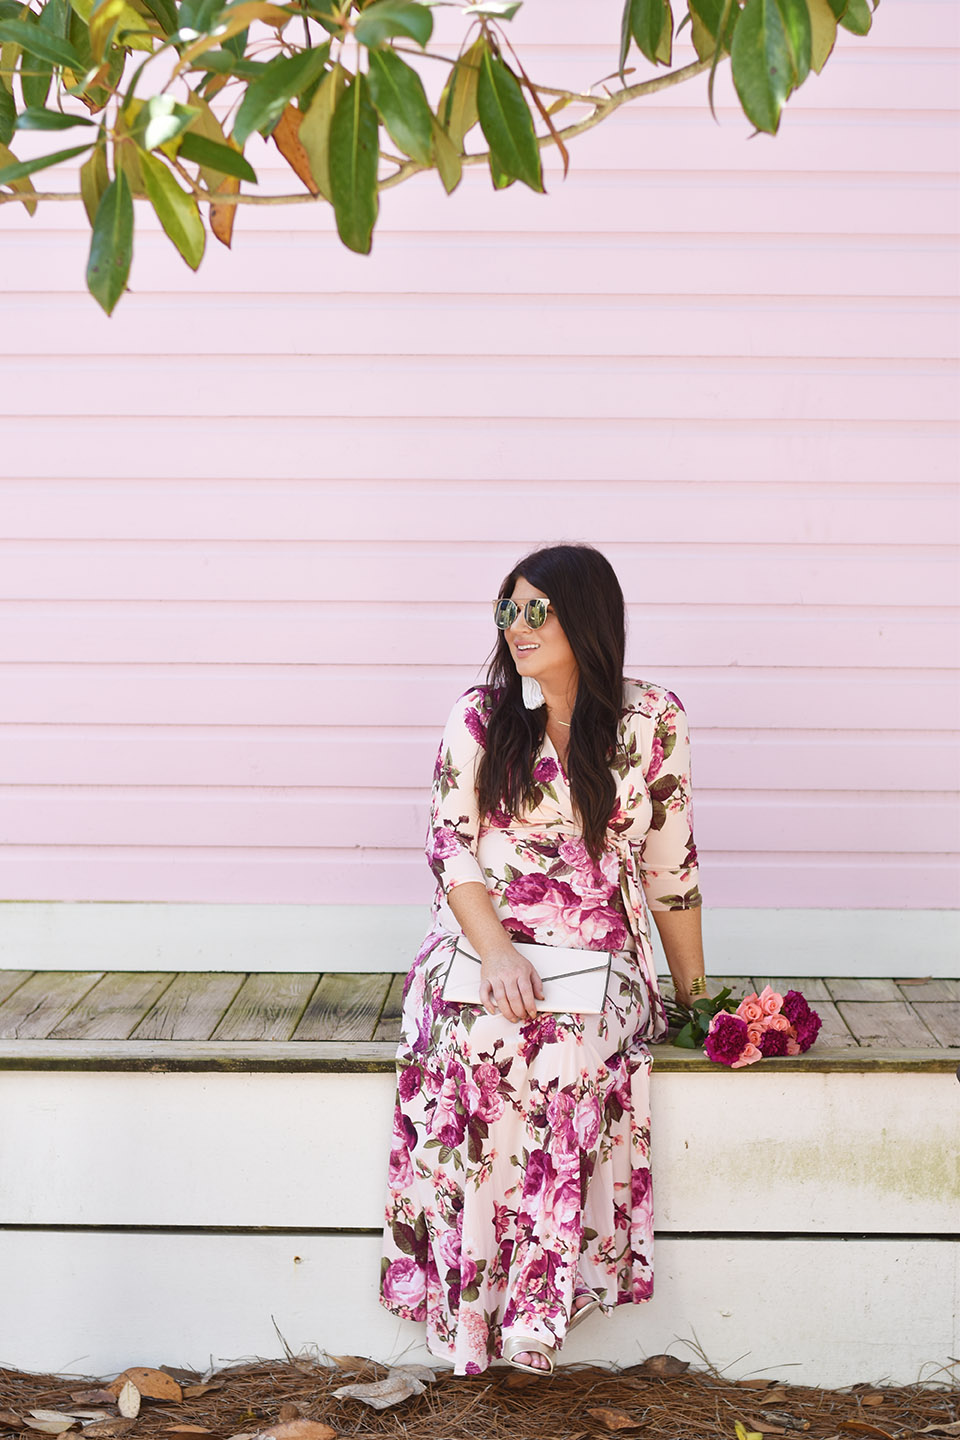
(641, 1183)
(445, 844)
(539, 889)
(404, 1284)
(794, 1007)
(546, 771)
(468, 1272)
(565, 1201)
(539, 1172)
(726, 1039)
(656, 759)
(411, 1078)
(808, 1030)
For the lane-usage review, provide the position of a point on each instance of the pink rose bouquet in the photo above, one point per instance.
(738, 1033)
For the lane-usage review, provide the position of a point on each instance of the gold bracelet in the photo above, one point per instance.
(698, 986)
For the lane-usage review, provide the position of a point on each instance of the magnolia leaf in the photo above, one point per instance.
(21, 186)
(399, 1385)
(108, 1429)
(286, 137)
(298, 1430)
(94, 180)
(457, 111)
(222, 217)
(160, 120)
(399, 96)
(354, 160)
(763, 57)
(315, 127)
(387, 19)
(856, 17)
(128, 1395)
(8, 114)
(179, 215)
(31, 119)
(651, 25)
(823, 32)
(267, 97)
(211, 155)
(108, 267)
(507, 125)
(231, 21)
(38, 43)
(447, 156)
(51, 1427)
(614, 1419)
(20, 168)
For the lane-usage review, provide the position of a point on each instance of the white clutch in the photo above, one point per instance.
(573, 980)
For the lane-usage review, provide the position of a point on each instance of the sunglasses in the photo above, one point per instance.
(505, 613)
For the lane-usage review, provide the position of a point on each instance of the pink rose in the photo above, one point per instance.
(770, 1001)
(776, 1022)
(748, 1055)
(753, 1034)
(750, 1009)
(399, 1171)
(656, 759)
(404, 1283)
(792, 1047)
(470, 1097)
(445, 844)
(586, 1122)
(565, 1201)
(448, 1247)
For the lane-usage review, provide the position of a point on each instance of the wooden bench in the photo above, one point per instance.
(188, 1161)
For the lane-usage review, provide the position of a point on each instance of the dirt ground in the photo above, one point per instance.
(577, 1403)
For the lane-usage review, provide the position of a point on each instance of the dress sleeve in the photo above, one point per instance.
(668, 858)
(454, 814)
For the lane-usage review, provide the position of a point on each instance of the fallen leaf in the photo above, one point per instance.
(614, 1419)
(766, 1426)
(243, 1435)
(744, 1434)
(8, 1418)
(50, 1427)
(773, 1397)
(289, 1411)
(108, 1429)
(298, 1430)
(380, 1394)
(189, 1429)
(872, 1399)
(354, 1364)
(93, 1397)
(863, 1427)
(155, 1384)
(664, 1365)
(758, 1384)
(128, 1400)
(517, 1380)
(193, 1392)
(948, 1427)
(52, 1415)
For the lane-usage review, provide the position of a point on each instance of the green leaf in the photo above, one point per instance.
(354, 159)
(31, 119)
(823, 32)
(315, 127)
(387, 19)
(685, 1038)
(216, 157)
(8, 115)
(457, 111)
(268, 96)
(651, 25)
(447, 156)
(507, 125)
(177, 211)
(22, 186)
(9, 173)
(707, 18)
(94, 180)
(197, 16)
(165, 13)
(111, 244)
(399, 96)
(41, 46)
(770, 55)
(160, 120)
(35, 77)
(856, 17)
(493, 9)
(624, 36)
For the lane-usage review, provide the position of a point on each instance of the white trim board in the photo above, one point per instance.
(94, 1302)
(92, 935)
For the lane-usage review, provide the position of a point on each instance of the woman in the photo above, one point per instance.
(520, 1193)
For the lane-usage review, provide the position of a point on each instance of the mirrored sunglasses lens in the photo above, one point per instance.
(535, 613)
(504, 613)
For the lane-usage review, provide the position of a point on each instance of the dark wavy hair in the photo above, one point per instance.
(586, 598)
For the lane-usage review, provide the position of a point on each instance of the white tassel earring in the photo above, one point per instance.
(532, 694)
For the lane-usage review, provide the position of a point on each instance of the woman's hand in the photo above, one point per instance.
(509, 985)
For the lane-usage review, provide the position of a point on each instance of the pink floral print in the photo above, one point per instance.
(520, 1159)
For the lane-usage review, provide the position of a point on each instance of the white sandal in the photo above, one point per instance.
(594, 1303)
(514, 1345)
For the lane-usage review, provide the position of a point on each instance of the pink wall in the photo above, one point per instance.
(248, 526)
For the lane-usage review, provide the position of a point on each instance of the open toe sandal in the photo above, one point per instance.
(515, 1345)
(593, 1303)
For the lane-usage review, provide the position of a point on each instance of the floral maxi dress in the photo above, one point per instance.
(521, 1152)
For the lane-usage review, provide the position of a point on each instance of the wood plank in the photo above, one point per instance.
(928, 989)
(266, 1007)
(344, 1007)
(191, 1008)
(43, 1001)
(114, 1006)
(853, 988)
(810, 988)
(834, 1031)
(388, 1026)
(942, 1019)
(887, 1023)
(10, 980)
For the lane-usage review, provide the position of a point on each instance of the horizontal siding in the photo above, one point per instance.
(250, 523)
